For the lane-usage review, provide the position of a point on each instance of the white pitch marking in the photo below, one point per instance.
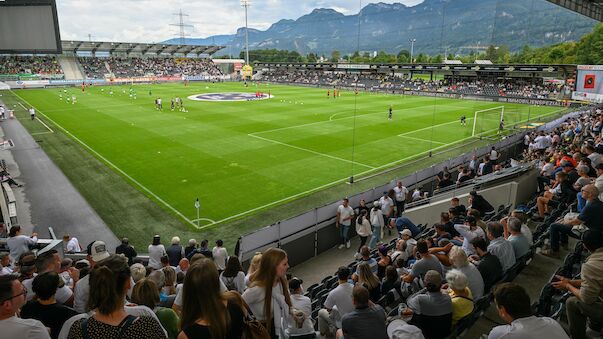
(42, 122)
(424, 140)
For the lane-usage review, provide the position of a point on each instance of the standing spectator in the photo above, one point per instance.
(45, 308)
(587, 300)
(401, 193)
(387, 206)
(513, 304)
(365, 321)
(370, 281)
(192, 245)
(345, 213)
(220, 255)
(499, 246)
(5, 267)
(72, 245)
(12, 297)
(494, 155)
(362, 207)
(459, 260)
(377, 223)
(431, 311)
(175, 252)
(145, 293)
(363, 228)
(268, 297)
(487, 264)
(205, 311)
(233, 276)
(108, 285)
(127, 250)
(156, 252)
(18, 243)
(460, 294)
(253, 267)
(338, 304)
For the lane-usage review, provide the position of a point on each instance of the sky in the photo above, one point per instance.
(149, 20)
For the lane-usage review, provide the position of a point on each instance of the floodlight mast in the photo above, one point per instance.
(246, 4)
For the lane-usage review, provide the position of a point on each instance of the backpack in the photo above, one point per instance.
(252, 328)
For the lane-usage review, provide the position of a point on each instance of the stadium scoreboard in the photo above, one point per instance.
(29, 27)
(589, 83)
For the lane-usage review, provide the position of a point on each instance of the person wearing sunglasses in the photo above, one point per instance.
(12, 296)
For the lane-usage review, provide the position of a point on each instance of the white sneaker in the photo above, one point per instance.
(348, 244)
(340, 246)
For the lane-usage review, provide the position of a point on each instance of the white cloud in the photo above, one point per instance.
(151, 20)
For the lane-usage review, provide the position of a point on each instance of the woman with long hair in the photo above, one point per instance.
(233, 276)
(253, 267)
(156, 252)
(205, 311)
(268, 297)
(363, 228)
(146, 293)
(109, 282)
(169, 287)
(369, 280)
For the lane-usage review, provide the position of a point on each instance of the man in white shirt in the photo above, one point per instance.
(513, 304)
(220, 255)
(401, 193)
(50, 261)
(387, 207)
(12, 297)
(72, 245)
(493, 155)
(499, 246)
(5, 264)
(345, 213)
(97, 251)
(338, 303)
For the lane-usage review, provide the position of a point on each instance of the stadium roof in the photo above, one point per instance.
(137, 48)
(590, 8)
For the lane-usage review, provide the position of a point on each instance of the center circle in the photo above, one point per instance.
(230, 96)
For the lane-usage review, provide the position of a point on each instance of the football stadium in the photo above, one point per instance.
(398, 169)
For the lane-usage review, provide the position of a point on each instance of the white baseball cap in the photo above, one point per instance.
(399, 329)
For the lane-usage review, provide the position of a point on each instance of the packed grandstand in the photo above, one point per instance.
(503, 240)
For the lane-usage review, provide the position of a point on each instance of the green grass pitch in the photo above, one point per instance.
(241, 157)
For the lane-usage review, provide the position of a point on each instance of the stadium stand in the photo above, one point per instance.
(34, 65)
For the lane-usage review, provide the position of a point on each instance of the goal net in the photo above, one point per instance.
(488, 120)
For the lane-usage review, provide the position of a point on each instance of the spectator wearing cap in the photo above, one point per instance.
(220, 255)
(513, 305)
(400, 329)
(590, 217)
(26, 266)
(175, 252)
(127, 250)
(12, 297)
(587, 300)
(338, 303)
(5, 267)
(72, 245)
(96, 252)
(46, 308)
(409, 242)
(572, 174)
(431, 311)
(301, 310)
(50, 261)
(156, 252)
(18, 243)
(469, 230)
(499, 246)
(366, 320)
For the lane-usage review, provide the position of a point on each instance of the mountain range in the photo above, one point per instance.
(455, 26)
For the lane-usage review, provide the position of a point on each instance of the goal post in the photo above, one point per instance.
(487, 119)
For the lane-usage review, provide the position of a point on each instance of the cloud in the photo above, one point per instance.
(154, 21)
